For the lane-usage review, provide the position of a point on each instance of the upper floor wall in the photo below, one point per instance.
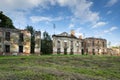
(95, 42)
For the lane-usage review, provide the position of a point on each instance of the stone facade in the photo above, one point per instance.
(65, 43)
(114, 51)
(95, 46)
(17, 42)
(37, 42)
(14, 41)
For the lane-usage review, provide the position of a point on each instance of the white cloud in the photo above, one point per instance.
(107, 31)
(78, 32)
(113, 28)
(22, 4)
(99, 24)
(71, 25)
(109, 12)
(42, 18)
(81, 9)
(110, 30)
(18, 17)
(18, 10)
(111, 3)
(117, 43)
(22, 21)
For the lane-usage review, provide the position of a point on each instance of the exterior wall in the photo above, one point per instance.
(95, 46)
(91, 46)
(114, 51)
(37, 42)
(73, 45)
(26, 43)
(14, 38)
(1, 42)
(14, 41)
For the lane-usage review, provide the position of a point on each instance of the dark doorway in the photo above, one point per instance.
(7, 48)
(65, 51)
(71, 51)
(93, 51)
(98, 51)
(20, 49)
(103, 51)
(58, 51)
(82, 51)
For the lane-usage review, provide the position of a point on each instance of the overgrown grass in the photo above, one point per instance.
(59, 67)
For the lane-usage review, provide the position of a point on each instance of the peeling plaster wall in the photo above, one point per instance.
(14, 41)
(79, 46)
(37, 42)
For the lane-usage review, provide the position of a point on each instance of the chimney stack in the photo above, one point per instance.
(72, 32)
(80, 37)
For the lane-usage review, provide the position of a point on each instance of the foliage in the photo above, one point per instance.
(5, 21)
(116, 47)
(32, 31)
(46, 44)
(60, 67)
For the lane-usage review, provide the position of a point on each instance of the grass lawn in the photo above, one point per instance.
(60, 67)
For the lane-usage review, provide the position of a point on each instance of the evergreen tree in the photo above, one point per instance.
(46, 44)
(5, 21)
(32, 31)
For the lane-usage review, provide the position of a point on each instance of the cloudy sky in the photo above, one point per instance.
(90, 18)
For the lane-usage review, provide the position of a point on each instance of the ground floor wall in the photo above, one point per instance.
(66, 51)
(14, 49)
(95, 51)
(81, 51)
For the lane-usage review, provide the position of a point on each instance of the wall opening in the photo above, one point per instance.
(7, 48)
(20, 49)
